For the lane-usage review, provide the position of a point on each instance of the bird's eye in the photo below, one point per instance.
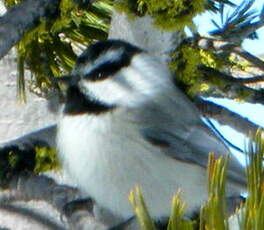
(95, 76)
(103, 71)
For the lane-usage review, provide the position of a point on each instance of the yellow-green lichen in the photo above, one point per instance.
(46, 159)
(238, 63)
(213, 213)
(185, 62)
(129, 7)
(167, 14)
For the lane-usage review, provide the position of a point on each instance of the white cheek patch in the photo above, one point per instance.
(146, 75)
(106, 91)
(140, 87)
(152, 70)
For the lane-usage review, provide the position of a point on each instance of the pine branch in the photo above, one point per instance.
(236, 80)
(246, 55)
(240, 24)
(250, 80)
(231, 89)
(227, 117)
(28, 187)
(21, 18)
(33, 218)
(215, 5)
(223, 45)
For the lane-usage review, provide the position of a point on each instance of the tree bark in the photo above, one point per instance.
(226, 117)
(21, 18)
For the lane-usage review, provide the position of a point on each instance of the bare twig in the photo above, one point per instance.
(230, 88)
(230, 78)
(248, 56)
(249, 80)
(39, 187)
(226, 117)
(33, 217)
(223, 45)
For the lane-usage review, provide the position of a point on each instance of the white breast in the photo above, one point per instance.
(107, 158)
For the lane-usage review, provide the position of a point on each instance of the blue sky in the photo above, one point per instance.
(254, 112)
(254, 46)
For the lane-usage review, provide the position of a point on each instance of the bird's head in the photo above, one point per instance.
(111, 74)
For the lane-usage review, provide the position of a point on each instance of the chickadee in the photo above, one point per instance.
(125, 123)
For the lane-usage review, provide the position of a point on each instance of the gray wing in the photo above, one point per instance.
(174, 123)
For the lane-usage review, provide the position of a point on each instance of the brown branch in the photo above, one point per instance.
(250, 80)
(230, 87)
(33, 218)
(217, 74)
(223, 45)
(238, 80)
(30, 187)
(248, 56)
(226, 117)
(230, 78)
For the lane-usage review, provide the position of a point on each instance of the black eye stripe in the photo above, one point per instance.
(105, 70)
(109, 68)
(124, 54)
(98, 48)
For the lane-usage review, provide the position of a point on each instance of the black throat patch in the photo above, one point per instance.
(77, 103)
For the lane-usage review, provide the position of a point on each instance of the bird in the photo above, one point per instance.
(125, 123)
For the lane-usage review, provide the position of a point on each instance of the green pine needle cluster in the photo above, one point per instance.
(253, 213)
(140, 209)
(176, 220)
(50, 49)
(213, 215)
